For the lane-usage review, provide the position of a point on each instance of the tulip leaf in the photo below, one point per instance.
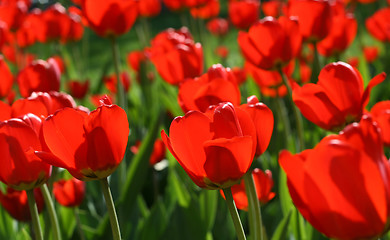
(282, 229)
(208, 201)
(183, 197)
(285, 199)
(6, 224)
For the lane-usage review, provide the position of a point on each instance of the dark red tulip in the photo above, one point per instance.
(216, 86)
(57, 23)
(378, 25)
(271, 43)
(263, 184)
(4, 31)
(111, 82)
(19, 138)
(337, 99)
(39, 76)
(110, 18)
(69, 193)
(176, 56)
(215, 149)
(78, 89)
(149, 8)
(342, 182)
(89, 145)
(7, 78)
(272, 8)
(243, 13)
(135, 58)
(218, 26)
(158, 153)
(206, 11)
(381, 114)
(370, 53)
(314, 18)
(60, 63)
(13, 12)
(16, 204)
(174, 5)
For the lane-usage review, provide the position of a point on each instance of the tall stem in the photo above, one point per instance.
(34, 214)
(52, 212)
(234, 214)
(297, 115)
(120, 89)
(116, 233)
(254, 206)
(316, 65)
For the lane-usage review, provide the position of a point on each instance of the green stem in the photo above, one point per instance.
(316, 65)
(254, 206)
(234, 214)
(51, 211)
(120, 89)
(78, 223)
(297, 115)
(34, 214)
(116, 233)
(283, 118)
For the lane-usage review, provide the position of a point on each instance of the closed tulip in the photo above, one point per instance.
(149, 8)
(378, 24)
(69, 193)
(243, 13)
(341, 187)
(78, 89)
(381, 114)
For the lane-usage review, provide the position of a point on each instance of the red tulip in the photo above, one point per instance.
(206, 11)
(110, 18)
(240, 75)
(341, 186)
(176, 56)
(19, 138)
(271, 43)
(39, 76)
(243, 13)
(263, 184)
(90, 146)
(314, 18)
(42, 104)
(12, 13)
(218, 26)
(16, 204)
(111, 82)
(370, 53)
(221, 51)
(378, 25)
(149, 8)
(5, 111)
(158, 153)
(78, 89)
(174, 5)
(216, 86)
(353, 61)
(215, 149)
(337, 99)
(135, 58)
(4, 31)
(57, 23)
(272, 8)
(69, 193)
(381, 114)
(6, 78)
(96, 99)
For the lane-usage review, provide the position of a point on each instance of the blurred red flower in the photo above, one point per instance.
(78, 89)
(149, 8)
(271, 43)
(110, 18)
(342, 182)
(176, 56)
(243, 13)
(215, 149)
(240, 74)
(216, 86)
(5, 111)
(16, 204)
(39, 76)
(378, 24)
(353, 61)
(218, 26)
(135, 58)
(111, 82)
(314, 16)
(263, 184)
(381, 114)
(370, 53)
(12, 13)
(337, 99)
(92, 146)
(69, 193)
(221, 51)
(158, 153)
(272, 8)
(206, 11)
(7, 79)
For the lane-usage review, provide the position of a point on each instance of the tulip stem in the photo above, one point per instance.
(116, 232)
(121, 98)
(52, 212)
(34, 214)
(297, 115)
(78, 223)
(234, 214)
(316, 65)
(253, 207)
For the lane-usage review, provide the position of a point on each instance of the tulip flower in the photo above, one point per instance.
(158, 153)
(110, 18)
(111, 82)
(215, 149)
(218, 26)
(353, 61)
(12, 13)
(341, 186)
(7, 78)
(381, 114)
(378, 25)
(243, 13)
(240, 75)
(271, 43)
(370, 53)
(337, 99)
(173, 5)
(206, 11)
(5, 111)
(15, 203)
(216, 86)
(19, 138)
(263, 184)
(78, 89)
(176, 56)
(272, 8)
(92, 146)
(149, 8)
(39, 76)
(69, 193)
(135, 58)
(314, 18)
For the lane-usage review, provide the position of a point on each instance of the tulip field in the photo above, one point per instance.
(194, 119)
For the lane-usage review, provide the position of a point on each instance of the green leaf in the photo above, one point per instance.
(282, 229)
(208, 201)
(285, 199)
(178, 188)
